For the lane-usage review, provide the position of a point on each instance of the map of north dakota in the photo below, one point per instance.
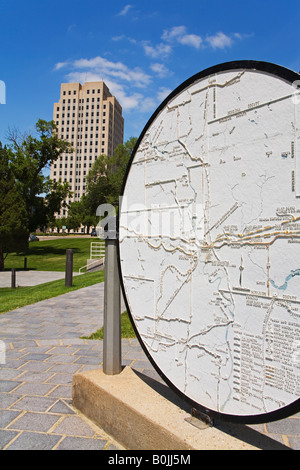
(210, 241)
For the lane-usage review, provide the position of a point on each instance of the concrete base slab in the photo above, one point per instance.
(139, 418)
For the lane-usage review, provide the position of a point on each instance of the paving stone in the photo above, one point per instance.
(36, 357)
(7, 416)
(81, 443)
(23, 344)
(61, 379)
(6, 400)
(69, 341)
(14, 354)
(49, 342)
(74, 426)
(290, 426)
(35, 376)
(35, 366)
(86, 352)
(294, 442)
(34, 389)
(8, 385)
(33, 403)
(32, 421)
(9, 374)
(61, 350)
(112, 447)
(62, 391)
(36, 349)
(91, 367)
(69, 368)
(34, 441)
(63, 359)
(13, 363)
(88, 360)
(6, 437)
(62, 407)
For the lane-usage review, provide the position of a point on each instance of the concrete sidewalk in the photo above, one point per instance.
(31, 278)
(44, 351)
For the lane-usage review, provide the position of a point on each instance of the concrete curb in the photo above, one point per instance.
(139, 418)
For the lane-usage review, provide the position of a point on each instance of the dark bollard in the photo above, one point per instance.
(112, 306)
(13, 278)
(69, 268)
(25, 263)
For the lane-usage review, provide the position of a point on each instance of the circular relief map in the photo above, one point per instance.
(209, 241)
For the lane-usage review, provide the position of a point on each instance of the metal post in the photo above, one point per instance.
(25, 263)
(69, 268)
(13, 278)
(112, 308)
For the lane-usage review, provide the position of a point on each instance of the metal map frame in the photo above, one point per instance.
(268, 68)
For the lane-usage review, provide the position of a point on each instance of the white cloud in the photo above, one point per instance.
(117, 70)
(173, 33)
(127, 100)
(179, 34)
(191, 40)
(125, 10)
(160, 69)
(121, 80)
(118, 38)
(219, 40)
(60, 65)
(161, 50)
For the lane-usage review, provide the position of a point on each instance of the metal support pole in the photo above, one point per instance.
(112, 309)
(13, 278)
(69, 268)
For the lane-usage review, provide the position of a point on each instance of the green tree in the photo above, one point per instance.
(59, 223)
(105, 179)
(13, 213)
(30, 156)
(75, 215)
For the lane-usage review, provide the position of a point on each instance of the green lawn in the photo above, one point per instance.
(21, 296)
(127, 330)
(50, 255)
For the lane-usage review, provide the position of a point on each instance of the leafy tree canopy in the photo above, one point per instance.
(28, 198)
(105, 179)
(29, 157)
(13, 214)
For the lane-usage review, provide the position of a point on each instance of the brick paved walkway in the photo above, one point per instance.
(43, 352)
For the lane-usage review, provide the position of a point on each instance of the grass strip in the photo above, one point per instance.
(11, 299)
(127, 330)
(50, 255)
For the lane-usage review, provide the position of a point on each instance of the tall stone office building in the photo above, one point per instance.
(90, 118)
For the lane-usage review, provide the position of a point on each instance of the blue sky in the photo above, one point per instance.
(142, 49)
